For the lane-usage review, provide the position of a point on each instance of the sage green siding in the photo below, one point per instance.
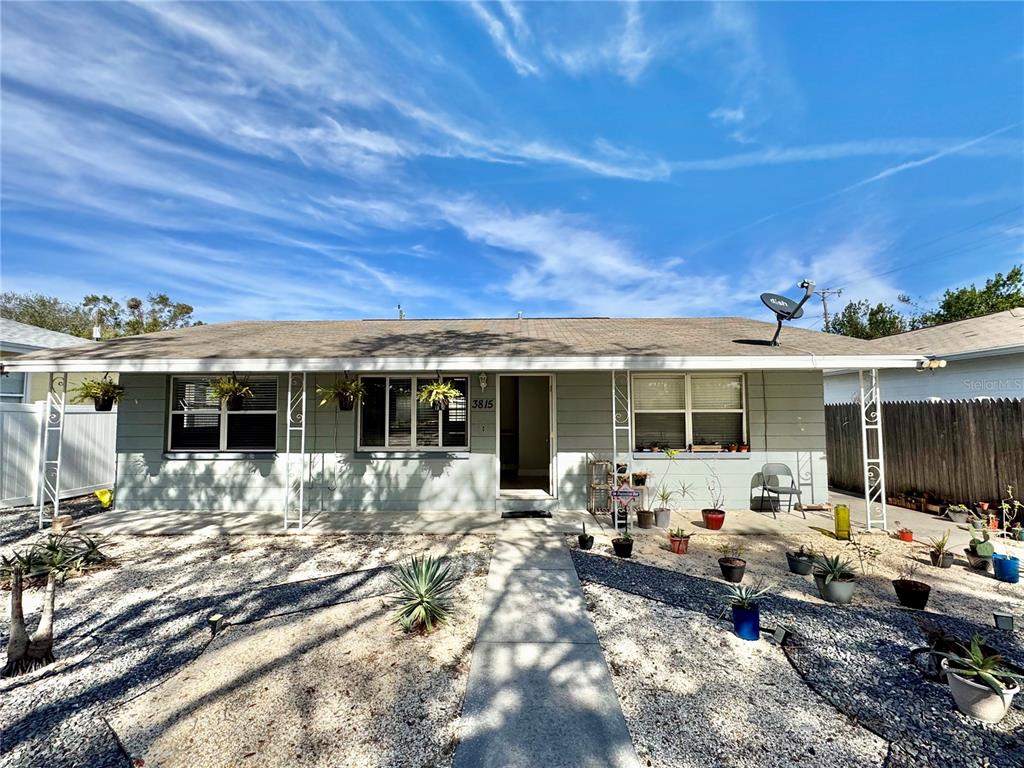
(785, 415)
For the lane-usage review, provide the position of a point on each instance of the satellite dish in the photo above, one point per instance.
(785, 308)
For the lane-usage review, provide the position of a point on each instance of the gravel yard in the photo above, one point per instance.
(308, 626)
(847, 673)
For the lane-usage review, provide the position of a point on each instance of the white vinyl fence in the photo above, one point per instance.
(87, 459)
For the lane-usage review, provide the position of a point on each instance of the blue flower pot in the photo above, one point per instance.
(1006, 567)
(747, 622)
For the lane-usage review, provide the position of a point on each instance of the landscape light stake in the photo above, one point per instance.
(1003, 621)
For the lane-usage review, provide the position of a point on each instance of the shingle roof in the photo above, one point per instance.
(540, 337)
(22, 334)
(979, 334)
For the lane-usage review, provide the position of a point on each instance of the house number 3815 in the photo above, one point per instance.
(483, 405)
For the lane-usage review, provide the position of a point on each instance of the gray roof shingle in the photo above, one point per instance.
(22, 334)
(979, 334)
(530, 337)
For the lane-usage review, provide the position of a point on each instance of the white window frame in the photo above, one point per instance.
(223, 424)
(22, 397)
(688, 410)
(417, 381)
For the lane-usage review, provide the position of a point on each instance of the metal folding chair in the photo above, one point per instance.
(773, 487)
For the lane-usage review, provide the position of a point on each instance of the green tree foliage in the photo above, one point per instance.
(1001, 292)
(136, 316)
(863, 321)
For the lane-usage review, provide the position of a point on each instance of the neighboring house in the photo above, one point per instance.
(984, 356)
(540, 399)
(17, 339)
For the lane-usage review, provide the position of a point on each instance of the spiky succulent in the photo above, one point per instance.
(833, 568)
(424, 598)
(980, 667)
(744, 595)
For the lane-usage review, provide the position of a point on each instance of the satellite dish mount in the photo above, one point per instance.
(785, 308)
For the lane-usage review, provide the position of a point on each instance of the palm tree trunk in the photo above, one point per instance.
(40, 647)
(17, 645)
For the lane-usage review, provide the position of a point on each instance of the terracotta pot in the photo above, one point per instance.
(983, 506)
(714, 519)
(905, 535)
(680, 546)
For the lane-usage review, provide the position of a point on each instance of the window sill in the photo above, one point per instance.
(220, 455)
(453, 455)
(688, 456)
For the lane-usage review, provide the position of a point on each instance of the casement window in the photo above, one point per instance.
(676, 411)
(13, 387)
(392, 418)
(200, 422)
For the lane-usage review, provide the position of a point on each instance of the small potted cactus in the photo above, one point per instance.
(623, 544)
(585, 540)
(679, 541)
(979, 552)
(733, 566)
(903, 533)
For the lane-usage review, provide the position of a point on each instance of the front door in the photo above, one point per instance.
(524, 419)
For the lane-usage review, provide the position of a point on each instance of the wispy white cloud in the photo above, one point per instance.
(499, 35)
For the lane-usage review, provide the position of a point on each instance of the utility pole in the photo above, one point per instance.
(825, 293)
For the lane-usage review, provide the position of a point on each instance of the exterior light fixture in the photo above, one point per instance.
(931, 365)
(482, 378)
(1003, 621)
(215, 621)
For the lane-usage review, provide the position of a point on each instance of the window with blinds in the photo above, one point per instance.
(391, 416)
(200, 422)
(677, 411)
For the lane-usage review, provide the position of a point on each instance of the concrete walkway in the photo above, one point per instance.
(539, 690)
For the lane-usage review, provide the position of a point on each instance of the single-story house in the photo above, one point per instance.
(540, 399)
(19, 338)
(985, 357)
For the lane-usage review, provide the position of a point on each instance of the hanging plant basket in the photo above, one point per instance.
(231, 390)
(438, 394)
(345, 392)
(102, 392)
(103, 403)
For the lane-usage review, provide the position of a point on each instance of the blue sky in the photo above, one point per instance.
(302, 161)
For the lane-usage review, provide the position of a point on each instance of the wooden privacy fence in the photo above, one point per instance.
(87, 459)
(959, 450)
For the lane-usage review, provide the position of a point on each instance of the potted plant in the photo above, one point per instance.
(801, 561)
(585, 540)
(982, 687)
(103, 392)
(644, 518)
(640, 477)
(903, 533)
(623, 544)
(733, 566)
(746, 613)
(232, 390)
(910, 592)
(438, 394)
(958, 513)
(939, 553)
(1013, 512)
(834, 577)
(714, 516)
(1006, 568)
(744, 448)
(979, 552)
(663, 512)
(679, 541)
(345, 392)
(982, 506)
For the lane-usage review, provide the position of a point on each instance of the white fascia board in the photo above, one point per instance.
(462, 364)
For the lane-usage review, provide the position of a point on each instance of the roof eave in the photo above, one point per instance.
(516, 363)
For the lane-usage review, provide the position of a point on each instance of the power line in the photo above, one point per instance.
(825, 293)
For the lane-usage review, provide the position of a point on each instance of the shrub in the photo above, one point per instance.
(424, 599)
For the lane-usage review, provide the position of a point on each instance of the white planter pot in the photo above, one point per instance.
(663, 517)
(979, 701)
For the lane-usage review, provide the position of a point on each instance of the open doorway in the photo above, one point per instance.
(524, 417)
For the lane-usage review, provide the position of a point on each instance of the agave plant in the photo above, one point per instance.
(974, 664)
(424, 598)
(833, 567)
(940, 544)
(744, 595)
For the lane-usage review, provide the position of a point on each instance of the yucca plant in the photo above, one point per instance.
(424, 600)
(974, 664)
(833, 567)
